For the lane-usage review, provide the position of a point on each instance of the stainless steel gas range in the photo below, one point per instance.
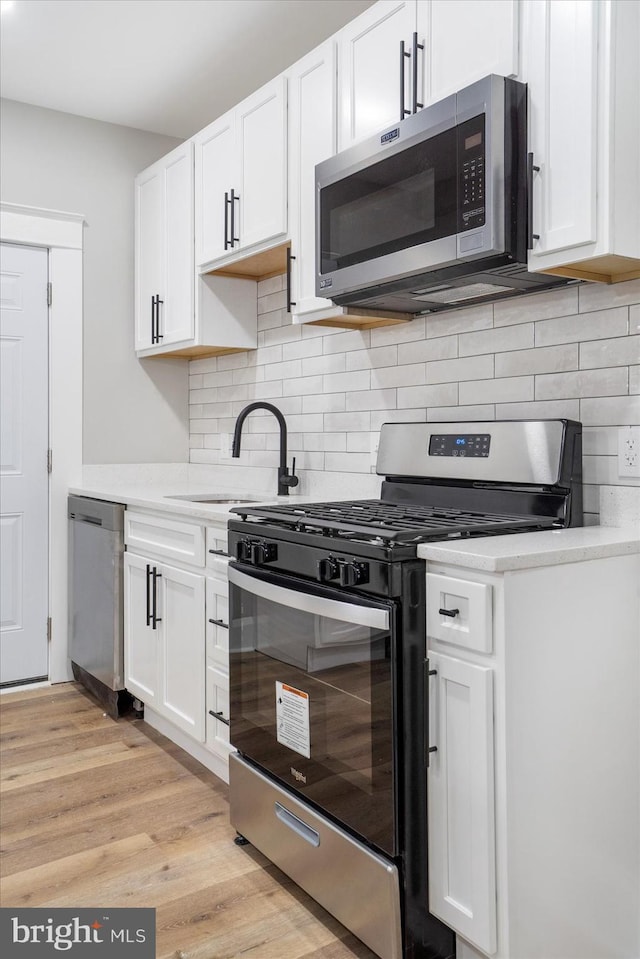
(328, 669)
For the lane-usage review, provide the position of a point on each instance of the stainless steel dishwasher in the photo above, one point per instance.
(96, 603)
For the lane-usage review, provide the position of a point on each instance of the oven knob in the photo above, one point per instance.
(327, 569)
(352, 574)
(262, 553)
(243, 550)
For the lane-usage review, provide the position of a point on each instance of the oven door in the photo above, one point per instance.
(311, 695)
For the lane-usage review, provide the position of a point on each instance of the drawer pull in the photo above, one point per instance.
(297, 825)
(220, 717)
(219, 622)
(219, 552)
(449, 612)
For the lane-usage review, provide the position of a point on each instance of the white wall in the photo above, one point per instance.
(573, 352)
(134, 411)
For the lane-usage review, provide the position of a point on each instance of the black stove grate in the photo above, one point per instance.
(394, 522)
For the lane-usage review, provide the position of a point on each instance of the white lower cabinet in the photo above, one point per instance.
(462, 868)
(534, 784)
(164, 628)
(177, 631)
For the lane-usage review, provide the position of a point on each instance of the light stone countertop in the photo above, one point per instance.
(497, 554)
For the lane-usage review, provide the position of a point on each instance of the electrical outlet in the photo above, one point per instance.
(375, 442)
(225, 446)
(629, 451)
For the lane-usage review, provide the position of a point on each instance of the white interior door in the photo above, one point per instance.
(24, 488)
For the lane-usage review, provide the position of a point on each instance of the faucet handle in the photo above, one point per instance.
(290, 479)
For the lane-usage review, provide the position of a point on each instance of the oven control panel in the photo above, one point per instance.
(460, 444)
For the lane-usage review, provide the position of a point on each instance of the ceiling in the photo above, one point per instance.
(167, 66)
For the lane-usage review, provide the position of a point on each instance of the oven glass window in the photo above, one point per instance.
(311, 703)
(402, 201)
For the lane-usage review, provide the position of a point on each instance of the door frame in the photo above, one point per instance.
(62, 234)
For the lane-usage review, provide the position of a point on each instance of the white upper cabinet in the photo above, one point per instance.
(164, 305)
(312, 138)
(370, 95)
(465, 41)
(581, 63)
(241, 176)
(399, 56)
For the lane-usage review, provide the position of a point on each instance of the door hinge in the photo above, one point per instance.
(49, 294)
(48, 629)
(49, 461)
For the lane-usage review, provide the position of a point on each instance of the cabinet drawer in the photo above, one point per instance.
(217, 624)
(178, 541)
(460, 612)
(216, 546)
(217, 707)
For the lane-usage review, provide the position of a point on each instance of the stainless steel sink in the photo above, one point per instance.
(215, 498)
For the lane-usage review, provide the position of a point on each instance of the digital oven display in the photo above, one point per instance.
(460, 444)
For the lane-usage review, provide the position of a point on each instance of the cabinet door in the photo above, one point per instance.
(218, 711)
(462, 872)
(215, 174)
(465, 41)
(369, 87)
(560, 51)
(176, 320)
(181, 607)
(141, 641)
(312, 138)
(262, 139)
(217, 625)
(149, 249)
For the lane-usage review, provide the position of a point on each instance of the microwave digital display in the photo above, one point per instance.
(475, 140)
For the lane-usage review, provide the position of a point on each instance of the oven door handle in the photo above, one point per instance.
(316, 605)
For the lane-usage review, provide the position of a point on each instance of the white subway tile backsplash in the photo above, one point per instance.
(539, 306)
(330, 363)
(518, 337)
(621, 351)
(511, 389)
(371, 400)
(553, 409)
(421, 397)
(563, 353)
(390, 376)
(422, 351)
(610, 411)
(575, 329)
(460, 321)
(373, 358)
(600, 296)
(545, 359)
(467, 368)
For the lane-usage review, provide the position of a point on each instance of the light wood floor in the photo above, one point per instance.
(100, 813)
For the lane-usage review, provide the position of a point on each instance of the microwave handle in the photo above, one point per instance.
(403, 54)
(371, 616)
(531, 169)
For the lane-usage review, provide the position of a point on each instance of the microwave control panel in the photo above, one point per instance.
(471, 174)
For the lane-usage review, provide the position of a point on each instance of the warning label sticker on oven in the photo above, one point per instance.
(292, 719)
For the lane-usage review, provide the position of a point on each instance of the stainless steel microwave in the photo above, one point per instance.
(432, 212)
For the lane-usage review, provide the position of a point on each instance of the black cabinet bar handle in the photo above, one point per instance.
(531, 168)
(403, 55)
(148, 595)
(234, 239)
(416, 46)
(427, 748)
(220, 717)
(154, 614)
(219, 622)
(290, 302)
(153, 319)
(219, 552)
(226, 221)
(449, 612)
